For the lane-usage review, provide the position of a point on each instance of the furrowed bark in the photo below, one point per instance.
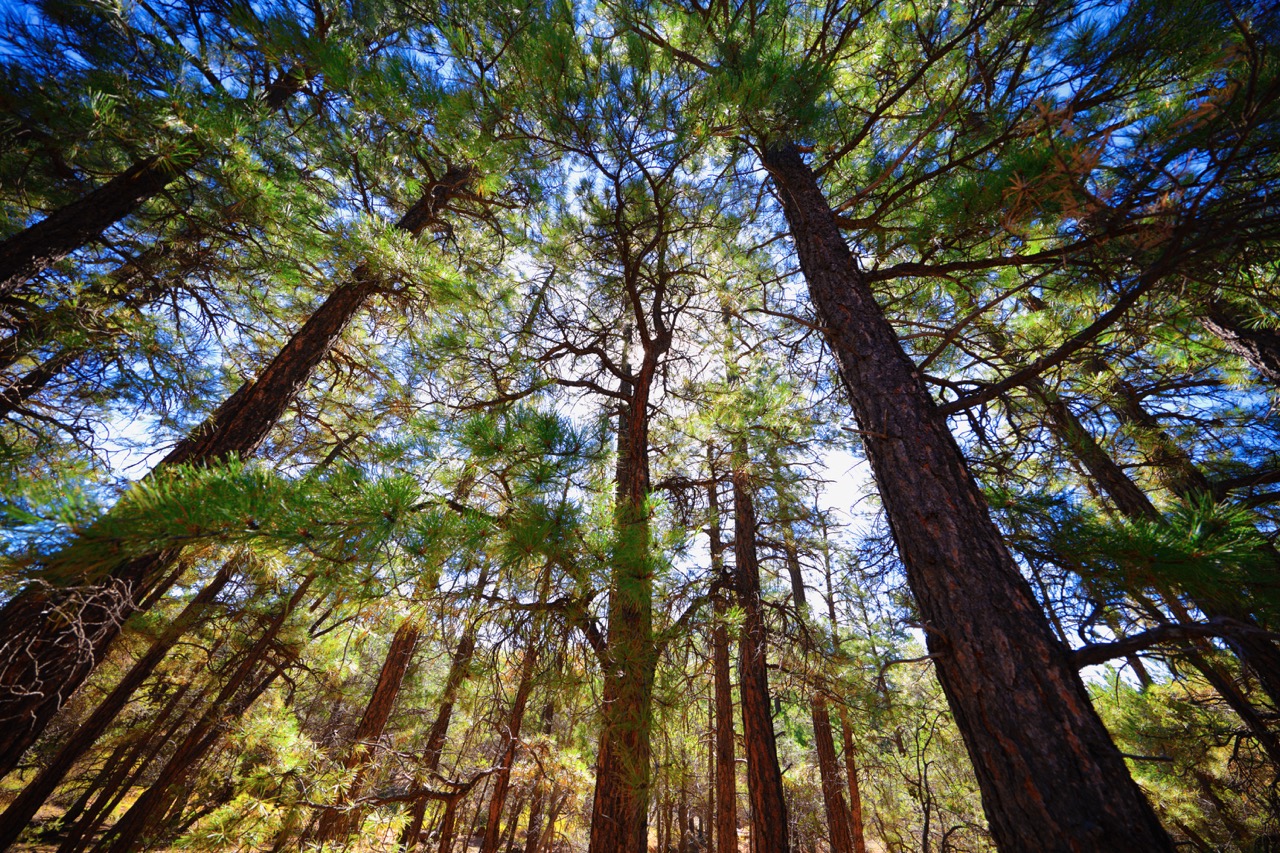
(23, 808)
(726, 774)
(1260, 348)
(620, 808)
(53, 637)
(1050, 777)
(764, 774)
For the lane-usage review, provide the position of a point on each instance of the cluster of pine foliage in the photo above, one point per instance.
(619, 426)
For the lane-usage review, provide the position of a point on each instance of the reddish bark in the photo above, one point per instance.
(53, 637)
(337, 823)
(40, 246)
(27, 803)
(764, 774)
(1050, 777)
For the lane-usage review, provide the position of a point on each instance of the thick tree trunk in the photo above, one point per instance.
(764, 775)
(1260, 348)
(1051, 779)
(24, 807)
(620, 808)
(53, 637)
(337, 823)
(40, 246)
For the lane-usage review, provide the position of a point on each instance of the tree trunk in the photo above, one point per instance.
(620, 808)
(253, 676)
(1179, 473)
(24, 387)
(1051, 779)
(764, 775)
(338, 822)
(858, 831)
(40, 246)
(1259, 347)
(726, 773)
(823, 739)
(533, 832)
(511, 735)
(55, 636)
(459, 668)
(24, 807)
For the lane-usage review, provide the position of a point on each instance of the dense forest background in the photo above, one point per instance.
(621, 426)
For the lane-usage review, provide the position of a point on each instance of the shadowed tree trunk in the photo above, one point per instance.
(533, 832)
(1050, 776)
(53, 637)
(838, 835)
(24, 807)
(511, 734)
(459, 668)
(726, 774)
(40, 246)
(764, 775)
(1179, 473)
(251, 678)
(1260, 348)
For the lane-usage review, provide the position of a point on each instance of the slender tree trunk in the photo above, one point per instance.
(726, 773)
(1050, 776)
(764, 775)
(1260, 348)
(823, 740)
(129, 772)
(40, 246)
(338, 822)
(1179, 473)
(533, 832)
(53, 637)
(24, 807)
(856, 826)
(511, 735)
(459, 667)
(253, 676)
